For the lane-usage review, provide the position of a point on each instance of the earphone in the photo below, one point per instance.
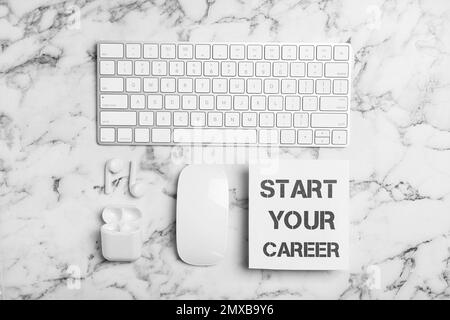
(136, 189)
(112, 166)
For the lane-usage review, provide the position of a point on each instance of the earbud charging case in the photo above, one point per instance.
(121, 235)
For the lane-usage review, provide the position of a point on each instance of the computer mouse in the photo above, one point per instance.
(202, 214)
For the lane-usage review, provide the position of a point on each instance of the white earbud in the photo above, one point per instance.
(112, 166)
(137, 189)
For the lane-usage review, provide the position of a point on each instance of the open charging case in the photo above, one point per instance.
(121, 235)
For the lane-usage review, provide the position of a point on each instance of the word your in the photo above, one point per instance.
(313, 189)
(293, 219)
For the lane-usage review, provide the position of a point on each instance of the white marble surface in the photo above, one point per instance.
(51, 168)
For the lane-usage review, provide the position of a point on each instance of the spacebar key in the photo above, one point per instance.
(214, 136)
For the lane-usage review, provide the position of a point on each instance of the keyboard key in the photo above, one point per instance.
(114, 118)
(310, 103)
(202, 85)
(315, 69)
(240, 103)
(323, 86)
(306, 86)
(113, 101)
(176, 68)
(141, 135)
(245, 69)
(206, 102)
(322, 140)
(185, 51)
(254, 52)
(336, 70)
(322, 133)
(185, 85)
(146, 118)
(275, 103)
(163, 118)
(288, 86)
(133, 84)
(254, 86)
(268, 136)
(214, 136)
(172, 102)
(333, 103)
(133, 50)
(159, 68)
(223, 103)
(258, 103)
(232, 119)
(111, 84)
(228, 69)
(198, 119)
(341, 53)
(280, 69)
(168, 51)
(249, 119)
(237, 86)
(202, 51)
(220, 51)
(124, 135)
(219, 85)
(111, 50)
(297, 69)
(107, 135)
(137, 101)
(266, 119)
(154, 101)
(107, 67)
(306, 52)
(304, 137)
(328, 120)
(237, 52)
(293, 103)
(151, 51)
(287, 136)
(211, 68)
(323, 53)
(215, 119)
(189, 102)
(272, 52)
(124, 68)
(160, 135)
(141, 68)
(289, 52)
(151, 85)
(262, 69)
(271, 86)
(340, 86)
(301, 120)
(284, 120)
(168, 85)
(339, 137)
(180, 118)
(193, 68)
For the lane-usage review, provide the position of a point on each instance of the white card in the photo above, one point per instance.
(298, 215)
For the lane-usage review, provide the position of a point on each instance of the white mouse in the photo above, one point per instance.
(202, 214)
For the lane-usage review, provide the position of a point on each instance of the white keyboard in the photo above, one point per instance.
(290, 95)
